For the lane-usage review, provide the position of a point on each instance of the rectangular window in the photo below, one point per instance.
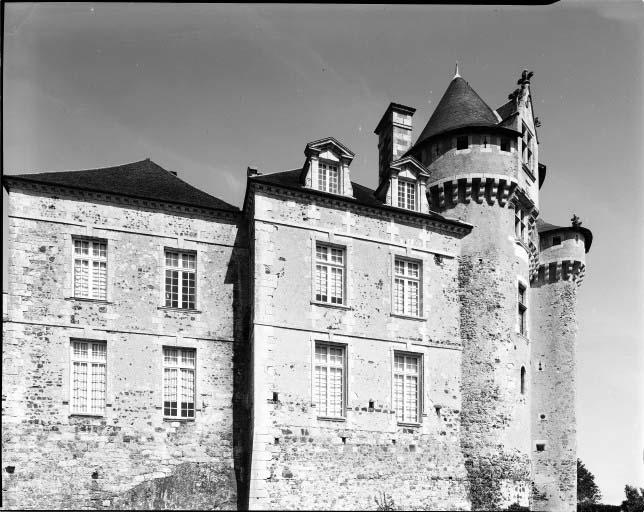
(407, 194)
(329, 379)
(523, 328)
(180, 274)
(330, 263)
(461, 142)
(179, 382)
(407, 284)
(505, 144)
(407, 373)
(328, 177)
(88, 376)
(90, 269)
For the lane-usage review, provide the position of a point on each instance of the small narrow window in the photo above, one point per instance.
(461, 142)
(522, 310)
(541, 447)
(556, 240)
(520, 224)
(523, 380)
(505, 144)
(485, 143)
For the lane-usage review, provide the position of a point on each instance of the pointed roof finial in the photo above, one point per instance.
(456, 75)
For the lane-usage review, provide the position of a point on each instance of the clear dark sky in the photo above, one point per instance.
(207, 90)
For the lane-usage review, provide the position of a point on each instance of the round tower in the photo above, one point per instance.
(480, 173)
(560, 272)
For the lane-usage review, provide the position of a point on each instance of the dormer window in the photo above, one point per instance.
(328, 178)
(406, 194)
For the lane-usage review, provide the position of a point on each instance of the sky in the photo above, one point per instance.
(209, 89)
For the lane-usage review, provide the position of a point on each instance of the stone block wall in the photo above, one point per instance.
(130, 456)
(303, 461)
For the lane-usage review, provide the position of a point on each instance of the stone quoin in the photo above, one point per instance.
(322, 347)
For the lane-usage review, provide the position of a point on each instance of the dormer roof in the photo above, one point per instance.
(410, 160)
(319, 145)
(459, 107)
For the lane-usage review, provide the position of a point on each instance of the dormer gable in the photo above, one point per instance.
(326, 167)
(405, 185)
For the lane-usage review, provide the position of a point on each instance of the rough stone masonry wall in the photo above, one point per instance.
(303, 462)
(495, 415)
(130, 457)
(553, 384)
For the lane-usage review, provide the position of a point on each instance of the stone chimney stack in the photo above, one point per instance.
(394, 135)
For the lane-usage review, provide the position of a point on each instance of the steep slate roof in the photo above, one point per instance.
(507, 109)
(545, 227)
(361, 195)
(144, 180)
(459, 107)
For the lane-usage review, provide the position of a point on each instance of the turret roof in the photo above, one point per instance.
(545, 227)
(144, 179)
(459, 107)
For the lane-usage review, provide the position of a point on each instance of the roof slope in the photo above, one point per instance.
(507, 109)
(144, 179)
(459, 107)
(361, 194)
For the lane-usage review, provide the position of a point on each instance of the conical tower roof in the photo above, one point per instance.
(459, 107)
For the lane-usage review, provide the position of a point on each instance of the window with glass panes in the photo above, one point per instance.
(329, 379)
(523, 329)
(406, 194)
(329, 274)
(180, 276)
(90, 269)
(328, 177)
(179, 382)
(88, 377)
(407, 373)
(407, 279)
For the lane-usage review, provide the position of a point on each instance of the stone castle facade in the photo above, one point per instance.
(324, 346)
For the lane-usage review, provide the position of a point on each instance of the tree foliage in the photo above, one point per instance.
(634, 501)
(587, 490)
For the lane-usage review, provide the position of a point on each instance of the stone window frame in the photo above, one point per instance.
(416, 189)
(393, 255)
(180, 245)
(70, 377)
(195, 369)
(421, 385)
(327, 180)
(527, 147)
(522, 308)
(87, 233)
(331, 241)
(345, 377)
